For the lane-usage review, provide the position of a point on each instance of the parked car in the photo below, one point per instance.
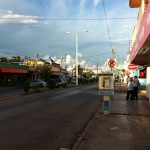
(73, 81)
(60, 83)
(38, 82)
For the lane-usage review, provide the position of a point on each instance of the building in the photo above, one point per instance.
(15, 74)
(12, 74)
(140, 49)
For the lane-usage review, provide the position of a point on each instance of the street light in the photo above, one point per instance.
(76, 35)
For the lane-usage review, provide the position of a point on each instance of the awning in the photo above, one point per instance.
(12, 70)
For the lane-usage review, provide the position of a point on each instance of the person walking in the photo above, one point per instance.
(130, 90)
(135, 87)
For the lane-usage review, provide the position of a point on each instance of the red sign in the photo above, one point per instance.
(111, 63)
(135, 67)
(132, 67)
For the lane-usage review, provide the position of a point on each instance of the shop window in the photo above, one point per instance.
(142, 73)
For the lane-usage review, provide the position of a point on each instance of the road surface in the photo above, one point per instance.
(47, 121)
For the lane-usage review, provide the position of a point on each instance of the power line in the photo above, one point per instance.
(96, 55)
(107, 24)
(66, 19)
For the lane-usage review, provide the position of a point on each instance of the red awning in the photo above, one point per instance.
(12, 70)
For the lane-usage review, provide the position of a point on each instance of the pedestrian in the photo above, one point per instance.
(135, 87)
(130, 89)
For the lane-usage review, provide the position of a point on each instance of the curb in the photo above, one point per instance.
(79, 140)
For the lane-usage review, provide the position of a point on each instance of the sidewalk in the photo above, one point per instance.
(126, 128)
(8, 92)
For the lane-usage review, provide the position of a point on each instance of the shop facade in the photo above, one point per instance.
(12, 74)
(140, 49)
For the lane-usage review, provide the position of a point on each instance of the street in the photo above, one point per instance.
(47, 121)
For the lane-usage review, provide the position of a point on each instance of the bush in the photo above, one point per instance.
(35, 88)
(51, 84)
(26, 86)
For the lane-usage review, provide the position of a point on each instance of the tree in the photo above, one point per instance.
(15, 59)
(45, 72)
(3, 59)
(80, 70)
(89, 74)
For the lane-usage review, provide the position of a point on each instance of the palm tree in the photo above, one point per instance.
(15, 59)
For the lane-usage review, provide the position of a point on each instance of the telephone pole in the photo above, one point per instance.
(113, 53)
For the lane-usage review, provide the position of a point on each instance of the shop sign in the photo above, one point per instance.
(135, 67)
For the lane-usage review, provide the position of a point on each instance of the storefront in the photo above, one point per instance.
(12, 75)
(140, 53)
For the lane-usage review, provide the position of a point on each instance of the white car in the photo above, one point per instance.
(39, 82)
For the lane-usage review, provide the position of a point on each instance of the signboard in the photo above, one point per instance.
(106, 105)
(111, 63)
(135, 67)
(106, 93)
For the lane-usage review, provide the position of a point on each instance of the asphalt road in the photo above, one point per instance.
(47, 121)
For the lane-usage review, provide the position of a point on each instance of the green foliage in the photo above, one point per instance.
(89, 74)
(26, 86)
(51, 83)
(80, 81)
(15, 59)
(64, 85)
(35, 88)
(83, 81)
(45, 72)
(3, 59)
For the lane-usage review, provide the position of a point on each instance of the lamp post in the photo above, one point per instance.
(77, 70)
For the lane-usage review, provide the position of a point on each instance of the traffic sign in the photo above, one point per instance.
(111, 63)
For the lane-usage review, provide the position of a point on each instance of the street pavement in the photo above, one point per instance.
(127, 127)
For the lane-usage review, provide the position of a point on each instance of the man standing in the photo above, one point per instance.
(135, 87)
(130, 94)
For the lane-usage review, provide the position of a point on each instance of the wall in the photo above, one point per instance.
(148, 83)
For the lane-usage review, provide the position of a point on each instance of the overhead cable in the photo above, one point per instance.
(107, 24)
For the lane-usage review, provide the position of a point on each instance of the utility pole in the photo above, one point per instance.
(113, 56)
(113, 52)
(97, 68)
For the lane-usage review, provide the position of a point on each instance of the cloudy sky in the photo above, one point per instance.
(28, 27)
